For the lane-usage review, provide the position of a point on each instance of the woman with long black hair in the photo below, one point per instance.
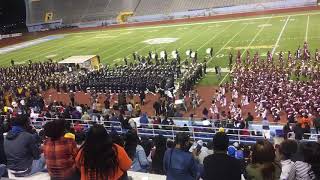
(157, 154)
(99, 158)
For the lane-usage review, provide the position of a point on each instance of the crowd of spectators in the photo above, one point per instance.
(77, 151)
(95, 153)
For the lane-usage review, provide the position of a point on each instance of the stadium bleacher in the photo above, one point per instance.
(148, 7)
(76, 11)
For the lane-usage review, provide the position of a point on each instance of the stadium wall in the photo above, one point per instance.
(31, 35)
(258, 7)
(225, 10)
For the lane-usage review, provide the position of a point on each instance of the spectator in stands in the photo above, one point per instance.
(3, 159)
(306, 131)
(144, 119)
(291, 119)
(76, 114)
(114, 117)
(22, 150)
(316, 123)
(219, 165)
(147, 145)
(137, 109)
(286, 129)
(165, 122)
(78, 127)
(129, 109)
(287, 149)
(178, 163)
(125, 124)
(205, 113)
(157, 154)
(59, 152)
(248, 119)
(263, 165)
(99, 158)
(309, 167)
(304, 120)
(157, 107)
(85, 116)
(170, 143)
(200, 151)
(298, 131)
(69, 132)
(136, 152)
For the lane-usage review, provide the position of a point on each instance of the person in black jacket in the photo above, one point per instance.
(22, 150)
(219, 165)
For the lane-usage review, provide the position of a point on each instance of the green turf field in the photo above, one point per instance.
(262, 33)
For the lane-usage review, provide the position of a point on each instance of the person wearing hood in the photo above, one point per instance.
(22, 150)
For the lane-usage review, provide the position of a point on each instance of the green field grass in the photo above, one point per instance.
(262, 33)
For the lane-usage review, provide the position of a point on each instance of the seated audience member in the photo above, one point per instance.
(316, 123)
(99, 158)
(200, 151)
(178, 163)
(147, 144)
(136, 152)
(69, 132)
(59, 152)
(286, 130)
(78, 127)
(304, 120)
(3, 159)
(249, 119)
(157, 155)
(298, 131)
(309, 167)
(144, 119)
(287, 150)
(22, 150)
(219, 165)
(263, 164)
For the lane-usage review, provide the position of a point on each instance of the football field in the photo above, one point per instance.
(255, 33)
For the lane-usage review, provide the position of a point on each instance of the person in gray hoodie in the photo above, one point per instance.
(22, 150)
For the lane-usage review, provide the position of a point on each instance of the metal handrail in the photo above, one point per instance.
(174, 129)
(169, 128)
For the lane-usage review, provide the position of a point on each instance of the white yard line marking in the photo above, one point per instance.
(148, 45)
(196, 37)
(307, 29)
(49, 49)
(279, 37)
(254, 38)
(216, 35)
(244, 27)
(197, 23)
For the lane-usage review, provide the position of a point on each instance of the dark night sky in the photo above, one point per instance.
(12, 12)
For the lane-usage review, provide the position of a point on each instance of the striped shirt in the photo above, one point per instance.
(301, 171)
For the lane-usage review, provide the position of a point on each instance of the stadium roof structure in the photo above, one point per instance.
(77, 59)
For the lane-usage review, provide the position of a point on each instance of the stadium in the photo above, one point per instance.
(160, 89)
